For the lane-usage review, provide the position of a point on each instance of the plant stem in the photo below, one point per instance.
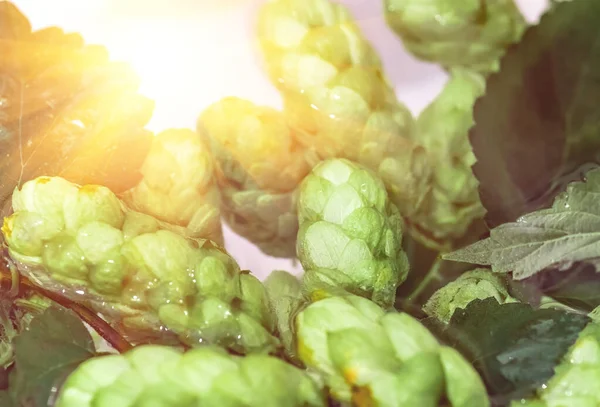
(431, 274)
(114, 338)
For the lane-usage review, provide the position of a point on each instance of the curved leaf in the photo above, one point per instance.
(513, 346)
(538, 123)
(566, 233)
(66, 110)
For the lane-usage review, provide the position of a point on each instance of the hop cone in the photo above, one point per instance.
(336, 96)
(260, 165)
(178, 185)
(350, 233)
(372, 358)
(468, 33)
(81, 242)
(575, 379)
(474, 284)
(452, 203)
(286, 299)
(160, 376)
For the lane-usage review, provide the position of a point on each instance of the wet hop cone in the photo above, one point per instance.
(350, 233)
(83, 242)
(163, 377)
(330, 77)
(372, 358)
(179, 186)
(259, 167)
(337, 98)
(66, 110)
(452, 203)
(466, 33)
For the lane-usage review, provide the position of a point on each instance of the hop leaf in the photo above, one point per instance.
(536, 126)
(53, 346)
(573, 382)
(566, 233)
(66, 109)
(513, 346)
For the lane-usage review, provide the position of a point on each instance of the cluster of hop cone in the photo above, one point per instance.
(334, 179)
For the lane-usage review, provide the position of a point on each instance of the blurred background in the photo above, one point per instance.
(191, 53)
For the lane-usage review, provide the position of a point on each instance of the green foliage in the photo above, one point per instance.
(53, 346)
(567, 232)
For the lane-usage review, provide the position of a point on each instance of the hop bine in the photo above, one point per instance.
(82, 241)
(337, 98)
(259, 167)
(208, 376)
(350, 233)
(178, 185)
(473, 34)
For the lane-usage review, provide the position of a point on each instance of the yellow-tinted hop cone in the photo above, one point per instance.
(369, 357)
(337, 97)
(83, 243)
(178, 185)
(161, 376)
(473, 34)
(260, 165)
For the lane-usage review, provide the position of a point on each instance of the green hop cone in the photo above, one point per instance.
(475, 284)
(160, 376)
(468, 33)
(84, 243)
(452, 203)
(575, 380)
(260, 164)
(178, 185)
(372, 358)
(286, 298)
(350, 233)
(336, 96)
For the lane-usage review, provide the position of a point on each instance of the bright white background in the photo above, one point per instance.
(191, 53)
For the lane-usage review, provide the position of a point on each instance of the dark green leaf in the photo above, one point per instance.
(576, 285)
(566, 233)
(55, 343)
(66, 109)
(514, 347)
(538, 123)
